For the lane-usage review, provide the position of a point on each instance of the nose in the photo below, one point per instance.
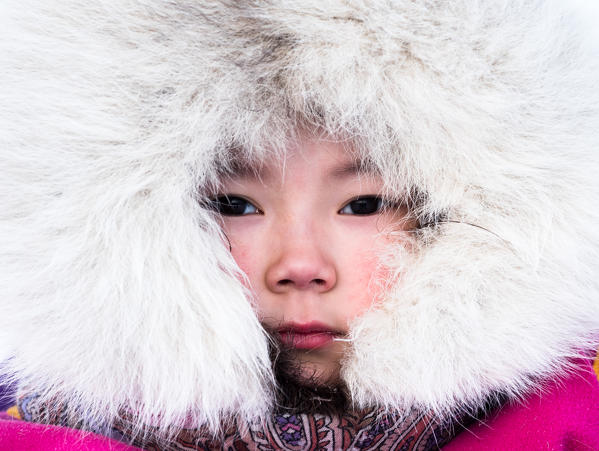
(301, 264)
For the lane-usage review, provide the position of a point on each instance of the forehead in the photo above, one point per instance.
(327, 159)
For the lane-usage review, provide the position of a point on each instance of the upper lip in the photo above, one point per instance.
(312, 327)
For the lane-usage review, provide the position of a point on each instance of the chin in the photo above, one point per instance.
(307, 381)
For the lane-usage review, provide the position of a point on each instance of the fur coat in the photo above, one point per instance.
(118, 290)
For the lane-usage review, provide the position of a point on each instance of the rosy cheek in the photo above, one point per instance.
(243, 258)
(360, 292)
(240, 240)
(366, 277)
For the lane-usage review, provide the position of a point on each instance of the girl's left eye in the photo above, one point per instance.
(234, 206)
(366, 205)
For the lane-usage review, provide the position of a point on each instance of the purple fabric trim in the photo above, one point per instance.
(7, 396)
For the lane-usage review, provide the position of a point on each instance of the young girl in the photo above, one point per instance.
(274, 225)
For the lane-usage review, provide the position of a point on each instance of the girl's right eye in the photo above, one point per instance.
(234, 206)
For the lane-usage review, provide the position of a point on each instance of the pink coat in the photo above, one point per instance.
(564, 417)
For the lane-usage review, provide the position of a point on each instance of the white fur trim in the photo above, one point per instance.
(117, 287)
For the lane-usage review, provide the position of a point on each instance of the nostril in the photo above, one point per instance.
(285, 282)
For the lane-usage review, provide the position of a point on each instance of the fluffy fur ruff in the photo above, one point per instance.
(118, 290)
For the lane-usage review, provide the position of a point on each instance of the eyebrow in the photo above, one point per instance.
(243, 169)
(356, 167)
(353, 168)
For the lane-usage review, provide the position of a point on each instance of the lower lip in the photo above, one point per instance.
(312, 340)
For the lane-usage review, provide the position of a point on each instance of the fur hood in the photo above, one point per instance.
(118, 289)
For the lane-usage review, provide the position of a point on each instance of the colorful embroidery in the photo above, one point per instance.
(366, 430)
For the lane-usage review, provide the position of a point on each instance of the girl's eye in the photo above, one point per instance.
(234, 206)
(367, 205)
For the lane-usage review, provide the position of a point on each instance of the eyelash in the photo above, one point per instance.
(225, 205)
(232, 206)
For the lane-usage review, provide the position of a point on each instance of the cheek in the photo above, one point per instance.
(363, 278)
(250, 248)
(245, 249)
(365, 286)
(243, 258)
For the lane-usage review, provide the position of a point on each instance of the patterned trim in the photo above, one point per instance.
(365, 431)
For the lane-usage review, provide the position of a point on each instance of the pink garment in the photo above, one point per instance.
(565, 417)
(24, 436)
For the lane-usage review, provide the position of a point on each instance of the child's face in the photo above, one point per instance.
(307, 234)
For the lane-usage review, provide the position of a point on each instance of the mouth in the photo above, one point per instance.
(312, 335)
